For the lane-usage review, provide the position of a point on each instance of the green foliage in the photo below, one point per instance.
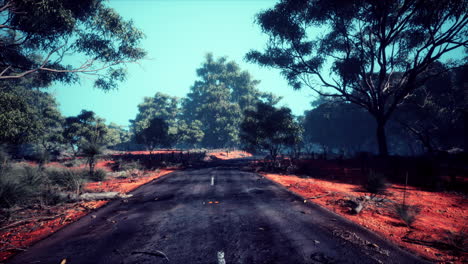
(218, 100)
(91, 150)
(98, 175)
(52, 29)
(84, 129)
(269, 128)
(189, 134)
(124, 165)
(16, 118)
(29, 116)
(372, 54)
(69, 179)
(18, 184)
(161, 106)
(339, 125)
(116, 135)
(155, 135)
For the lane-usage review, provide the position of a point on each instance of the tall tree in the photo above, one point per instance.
(269, 129)
(339, 126)
(116, 135)
(361, 46)
(160, 105)
(155, 135)
(83, 130)
(28, 114)
(218, 100)
(39, 36)
(434, 114)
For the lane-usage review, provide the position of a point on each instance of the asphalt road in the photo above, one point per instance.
(218, 214)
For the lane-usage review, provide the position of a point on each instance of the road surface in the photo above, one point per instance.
(218, 214)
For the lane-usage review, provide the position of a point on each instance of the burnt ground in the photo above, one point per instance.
(241, 218)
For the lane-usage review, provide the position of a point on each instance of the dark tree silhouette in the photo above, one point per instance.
(269, 128)
(155, 135)
(360, 46)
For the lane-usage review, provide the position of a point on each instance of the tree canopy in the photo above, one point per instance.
(39, 36)
(340, 126)
(155, 135)
(371, 53)
(267, 128)
(218, 100)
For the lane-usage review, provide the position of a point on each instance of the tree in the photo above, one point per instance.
(434, 114)
(116, 135)
(15, 118)
(83, 129)
(29, 115)
(218, 100)
(50, 120)
(155, 135)
(338, 125)
(189, 134)
(39, 36)
(160, 105)
(270, 129)
(370, 53)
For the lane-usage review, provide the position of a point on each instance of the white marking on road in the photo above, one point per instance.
(212, 180)
(221, 259)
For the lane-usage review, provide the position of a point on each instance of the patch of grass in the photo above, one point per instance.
(122, 165)
(98, 175)
(74, 163)
(70, 180)
(407, 213)
(18, 185)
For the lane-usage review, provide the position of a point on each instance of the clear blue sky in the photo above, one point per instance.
(178, 35)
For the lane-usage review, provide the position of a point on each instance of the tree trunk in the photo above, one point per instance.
(382, 138)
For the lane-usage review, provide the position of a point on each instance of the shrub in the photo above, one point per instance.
(122, 165)
(375, 183)
(458, 241)
(70, 180)
(42, 157)
(98, 175)
(91, 151)
(19, 184)
(53, 196)
(74, 163)
(407, 213)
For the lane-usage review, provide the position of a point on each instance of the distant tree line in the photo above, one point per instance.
(211, 113)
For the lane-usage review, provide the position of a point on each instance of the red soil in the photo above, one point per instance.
(236, 154)
(35, 224)
(441, 213)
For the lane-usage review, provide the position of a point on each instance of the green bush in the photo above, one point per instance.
(98, 175)
(70, 180)
(19, 184)
(74, 163)
(122, 165)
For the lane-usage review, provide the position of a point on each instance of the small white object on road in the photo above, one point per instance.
(221, 259)
(212, 180)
